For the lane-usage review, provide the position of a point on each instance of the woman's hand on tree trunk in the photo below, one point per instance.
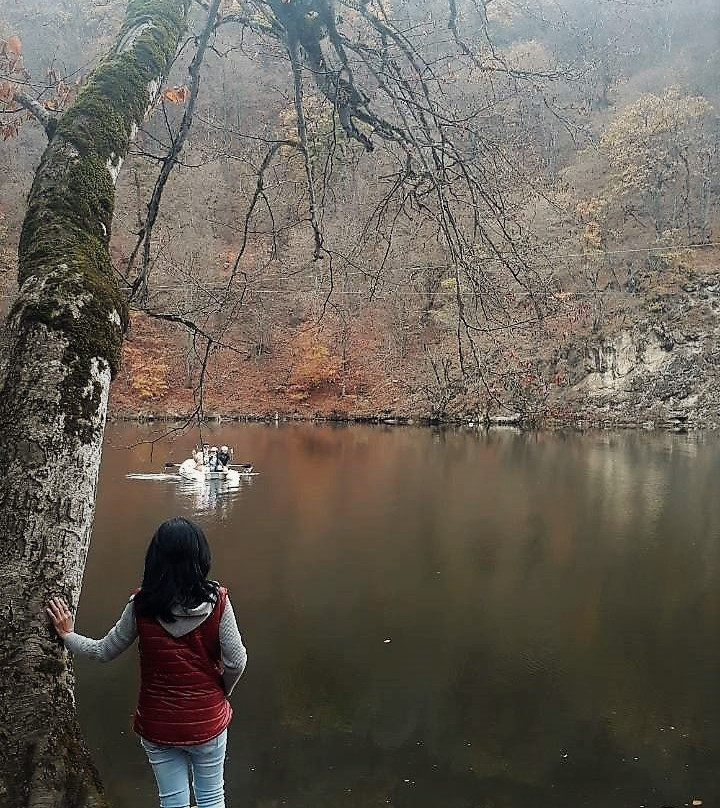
(61, 616)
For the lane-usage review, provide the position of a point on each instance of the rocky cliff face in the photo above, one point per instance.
(661, 371)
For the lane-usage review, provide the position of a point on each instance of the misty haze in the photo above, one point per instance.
(489, 228)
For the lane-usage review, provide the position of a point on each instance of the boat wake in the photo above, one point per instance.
(180, 477)
(150, 476)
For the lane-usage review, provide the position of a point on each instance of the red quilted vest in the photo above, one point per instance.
(182, 700)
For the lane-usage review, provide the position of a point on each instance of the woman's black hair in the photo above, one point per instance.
(177, 563)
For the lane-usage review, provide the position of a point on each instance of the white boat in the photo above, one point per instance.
(188, 471)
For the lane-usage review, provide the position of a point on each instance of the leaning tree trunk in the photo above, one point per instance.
(65, 335)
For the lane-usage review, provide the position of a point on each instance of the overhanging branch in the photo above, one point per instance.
(38, 111)
(139, 289)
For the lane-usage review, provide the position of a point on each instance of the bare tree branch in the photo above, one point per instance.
(38, 111)
(139, 290)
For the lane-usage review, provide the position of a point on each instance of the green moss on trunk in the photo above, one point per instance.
(67, 281)
(116, 97)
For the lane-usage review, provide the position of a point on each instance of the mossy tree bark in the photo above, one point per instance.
(66, 331)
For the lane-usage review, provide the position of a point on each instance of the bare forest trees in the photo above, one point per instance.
(416, 168)
(444, 179)
(662, 153)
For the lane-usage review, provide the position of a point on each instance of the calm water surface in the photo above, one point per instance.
(438, 620)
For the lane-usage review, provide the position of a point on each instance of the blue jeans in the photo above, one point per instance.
(172, 766)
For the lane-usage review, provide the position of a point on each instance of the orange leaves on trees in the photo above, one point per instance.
(315, 367)
(14, 45)
(64, 92)
(11, 63)
(6, 92)
(176, 95)
(11, 58)
(56, 95)
(592, 212)
(10, 129)
(147, 371)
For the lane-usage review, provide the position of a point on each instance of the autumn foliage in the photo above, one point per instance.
(601, 162)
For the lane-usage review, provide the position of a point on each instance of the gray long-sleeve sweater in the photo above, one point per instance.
(123, 634)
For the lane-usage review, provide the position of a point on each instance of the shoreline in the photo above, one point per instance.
(677, 425)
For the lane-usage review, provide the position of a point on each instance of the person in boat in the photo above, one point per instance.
(213, 464)
(191, 658)
(193, 464)
(224, 456)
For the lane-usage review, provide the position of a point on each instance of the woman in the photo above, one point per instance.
(224, 456)
(191, 657)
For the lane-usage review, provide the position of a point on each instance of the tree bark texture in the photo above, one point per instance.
(65, 335)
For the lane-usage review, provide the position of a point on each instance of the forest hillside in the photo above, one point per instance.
(574, 274)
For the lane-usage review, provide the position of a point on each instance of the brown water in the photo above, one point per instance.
(552, 605)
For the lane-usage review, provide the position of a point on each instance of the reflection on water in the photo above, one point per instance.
(439, 620)
(215, 497)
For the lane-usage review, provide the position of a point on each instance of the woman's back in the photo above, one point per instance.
(182, 696)
(191, 657)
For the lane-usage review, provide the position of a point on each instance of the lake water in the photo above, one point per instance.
(438, 619)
